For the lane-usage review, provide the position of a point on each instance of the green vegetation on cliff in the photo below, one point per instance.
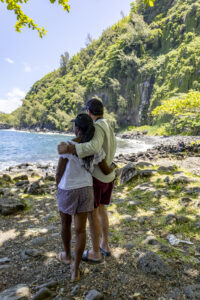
(147, 57)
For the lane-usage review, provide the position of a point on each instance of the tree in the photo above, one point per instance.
(88, 40)
(63, 63)
(23, 20)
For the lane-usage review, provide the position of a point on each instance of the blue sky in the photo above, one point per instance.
(25, 58)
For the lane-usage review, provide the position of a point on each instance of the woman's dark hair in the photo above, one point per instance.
(85, 124)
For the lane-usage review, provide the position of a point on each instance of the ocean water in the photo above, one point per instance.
(18, 147)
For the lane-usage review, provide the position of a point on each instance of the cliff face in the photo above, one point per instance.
(146, 57)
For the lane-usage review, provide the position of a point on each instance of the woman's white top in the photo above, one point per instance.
(75, 175)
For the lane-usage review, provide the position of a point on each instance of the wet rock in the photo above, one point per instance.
(151, 263)
(10, 206)
(94, 295)
(43, 293)
(128, 172)
(18, 292)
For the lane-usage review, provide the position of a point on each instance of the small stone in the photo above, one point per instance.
(39, 241)
(170, 219)
(75, 289)
(33, 252)
(42, 294)
(130, 246)
(18, 292)
(182, 219)
(185, 201)
(4, 260)
(94, 295)
(151, 240)
(147, 172)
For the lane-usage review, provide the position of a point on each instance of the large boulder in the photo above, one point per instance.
(128, 172)
(150, 263)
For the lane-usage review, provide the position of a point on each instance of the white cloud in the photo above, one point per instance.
(27, 67)
(9, 60)
(12, 100)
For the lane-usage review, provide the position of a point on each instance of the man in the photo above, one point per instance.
(103, 184)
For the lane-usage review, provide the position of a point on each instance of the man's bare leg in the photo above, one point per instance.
(104, 223)
(95, 232)
(66, 221)
(80, 220)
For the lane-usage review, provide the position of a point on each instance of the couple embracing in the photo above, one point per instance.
(85, 186)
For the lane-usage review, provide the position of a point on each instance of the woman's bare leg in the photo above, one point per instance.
(66, 221)
(80, 220)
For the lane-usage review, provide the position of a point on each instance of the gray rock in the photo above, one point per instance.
(185, 201)
(94, 295)
(166, 169)
(170, 219)
(151, 240)
(192, 292)
(42, 294)
(197, 225)
(36, 188)
(134, 203)
(51, 284)
(147, 172)
(181, 179)
(160, 193)
(21, 177)
(182, 219)
(39, 241)
(4, 260)
(142, 164)
(6, 178)
(142, 220)
(75, 289)
(4, 268)
(10, 206)
(18, 292)
(22, 183)
(33, 252)
(130, 246)
(49, 177)
(128, 172)
(151, 263)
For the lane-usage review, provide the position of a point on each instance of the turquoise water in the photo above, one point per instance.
(18, 147)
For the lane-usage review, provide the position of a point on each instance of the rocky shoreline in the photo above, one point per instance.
(154, 231)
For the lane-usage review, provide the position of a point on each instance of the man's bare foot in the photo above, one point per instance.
(62, 258)
(91, 257)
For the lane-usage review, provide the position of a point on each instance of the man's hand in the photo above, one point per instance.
(64, 148)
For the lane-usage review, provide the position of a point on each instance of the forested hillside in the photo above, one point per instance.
(149, 56)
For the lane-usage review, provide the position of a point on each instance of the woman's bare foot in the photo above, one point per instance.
(62, 258)
(75, 274)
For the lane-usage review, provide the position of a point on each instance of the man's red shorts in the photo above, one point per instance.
(102, 192)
